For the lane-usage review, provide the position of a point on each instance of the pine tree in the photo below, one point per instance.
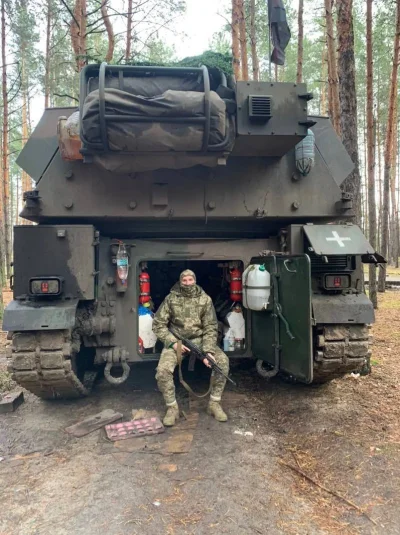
(299, 77)
(236, 40)
(128, 32)
(253, 41)
(371, 127)
(348, 99)
(23, 78)
(243, 41)
(49, 18)
(5, 158)
(333, 81)
(394, 226)
(324, 74)
(110, 32)
(389, 147)
(78, 27)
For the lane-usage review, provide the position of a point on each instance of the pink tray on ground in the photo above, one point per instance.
(134, 428)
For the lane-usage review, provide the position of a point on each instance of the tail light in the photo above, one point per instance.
(46, 286)
(337, 282)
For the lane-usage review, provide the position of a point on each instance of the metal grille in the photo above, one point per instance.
(260, 106)
(335, 264)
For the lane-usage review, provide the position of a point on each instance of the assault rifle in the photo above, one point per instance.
(199, 354)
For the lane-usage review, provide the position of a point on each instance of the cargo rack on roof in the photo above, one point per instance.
(142, 71)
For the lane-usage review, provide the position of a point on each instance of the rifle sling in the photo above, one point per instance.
(181, 379)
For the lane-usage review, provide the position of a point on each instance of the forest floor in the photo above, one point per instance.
(392, 274)
(235, 479)
(390, 270)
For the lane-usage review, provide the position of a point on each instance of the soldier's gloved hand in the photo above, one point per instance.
(184, 348)
(205, 361)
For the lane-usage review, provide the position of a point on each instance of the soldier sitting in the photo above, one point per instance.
(190, 312)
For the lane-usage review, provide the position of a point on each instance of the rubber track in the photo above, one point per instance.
(345, 349)
(40, 361)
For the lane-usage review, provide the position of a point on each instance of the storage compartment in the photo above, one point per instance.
(220, 280)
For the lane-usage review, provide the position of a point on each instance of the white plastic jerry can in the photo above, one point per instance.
(256, 287)
(146, 331)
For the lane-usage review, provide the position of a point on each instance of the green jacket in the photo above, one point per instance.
(191, 317)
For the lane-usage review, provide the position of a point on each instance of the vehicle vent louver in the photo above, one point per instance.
(335, 264)
(260, 107)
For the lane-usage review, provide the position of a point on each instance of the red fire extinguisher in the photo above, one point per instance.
(235, 285)
(144, 285)
(140, 345)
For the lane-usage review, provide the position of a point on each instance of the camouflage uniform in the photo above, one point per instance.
(190, 312)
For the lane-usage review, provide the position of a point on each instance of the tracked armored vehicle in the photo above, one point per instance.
(162, 169)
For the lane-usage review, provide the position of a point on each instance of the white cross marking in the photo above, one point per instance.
(338, 239)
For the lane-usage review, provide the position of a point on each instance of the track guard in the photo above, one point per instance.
(35, 316)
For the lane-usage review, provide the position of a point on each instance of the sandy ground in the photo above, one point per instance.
(345, 436)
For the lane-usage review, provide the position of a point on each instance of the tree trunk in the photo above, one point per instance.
(371, 127)
(324, 83)
(26, 184)
(332, 68)
(110, 32)
(5, 168)
(243, 41)
(47, 56)
(75, 31)
(2, 239)
(24, 127)
(2, 236)
(17, 195)
(236, 40)
(364, 180)
(83, 60)
(330, 98)
(253, 41)
(394, 219)
(388, 149)
(398, 198)
(348, 100)
(380, 189)
(28, 114)
(2, 249)
(299, 76)
(128, 32)
(78, 33)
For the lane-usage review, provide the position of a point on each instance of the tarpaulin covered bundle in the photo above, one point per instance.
(151, 86)
(154, 136)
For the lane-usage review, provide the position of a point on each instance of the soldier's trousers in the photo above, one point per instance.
(165, 374)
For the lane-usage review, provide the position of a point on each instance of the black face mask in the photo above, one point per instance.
(188, 291)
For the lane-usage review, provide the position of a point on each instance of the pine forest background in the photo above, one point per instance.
(347, 51)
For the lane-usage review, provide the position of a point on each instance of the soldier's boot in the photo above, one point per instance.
(215, 409)
(172, 415)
